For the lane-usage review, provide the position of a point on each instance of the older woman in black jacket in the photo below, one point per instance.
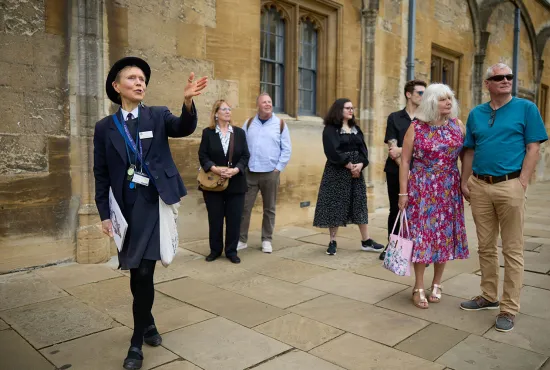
(214, 154)
(343, 193)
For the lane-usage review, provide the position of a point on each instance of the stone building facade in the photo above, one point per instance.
(55, 55)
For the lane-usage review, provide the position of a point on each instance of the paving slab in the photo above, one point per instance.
(201, 247)
(447, 312)
(350, 285)
(221, 344)
(281, 268)
(297, 360)
(539, 241)
(272, 291)
(528, 246)
(295, 232)
(432, 341)
(178, 268)
(178, 365)
(530, 333)
(535, 280)
(235, 307)
(278, 242)
(360, 318)
(66, 276)
(355, 353)
(22, 288)
(299, 332)
(55, 321)
(535, 232)
(17, 354)
(114, 298)
(465, 286)
(343, 260)
(477, 353)
(220, 271)
(105, 351)
(3, 325)
(534, 302)
(352, 244)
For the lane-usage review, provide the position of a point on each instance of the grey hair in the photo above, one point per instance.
(428, 109)
(262, 94)
(491, 70)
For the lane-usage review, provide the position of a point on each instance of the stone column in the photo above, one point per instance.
(86, 93)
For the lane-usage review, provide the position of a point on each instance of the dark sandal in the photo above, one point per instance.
(134, 360)
(422, 299)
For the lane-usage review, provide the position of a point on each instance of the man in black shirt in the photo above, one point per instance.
(397, 126)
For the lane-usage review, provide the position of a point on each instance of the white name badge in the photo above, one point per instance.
(146, 134)
(141, 179)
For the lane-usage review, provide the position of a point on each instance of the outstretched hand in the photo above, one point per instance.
(194, 88)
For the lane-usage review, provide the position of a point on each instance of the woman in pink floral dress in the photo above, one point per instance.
(431, 193)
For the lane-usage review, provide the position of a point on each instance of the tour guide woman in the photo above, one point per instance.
(139, 168)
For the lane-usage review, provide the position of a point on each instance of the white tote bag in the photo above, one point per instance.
(168, 216)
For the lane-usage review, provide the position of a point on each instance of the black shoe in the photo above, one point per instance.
(370, 245)
(479, 303)
(234, 258)
(212, 257)
(134, 360)
(152, 336)
(331, 250)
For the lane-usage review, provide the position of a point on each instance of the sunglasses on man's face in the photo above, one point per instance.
(498, 78)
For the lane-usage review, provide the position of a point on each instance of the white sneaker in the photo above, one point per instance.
(266, 247)
(241, 245)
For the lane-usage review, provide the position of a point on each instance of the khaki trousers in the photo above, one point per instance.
(268, 184)
(495, 206)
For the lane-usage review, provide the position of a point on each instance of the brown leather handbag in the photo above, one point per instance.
(209, 181)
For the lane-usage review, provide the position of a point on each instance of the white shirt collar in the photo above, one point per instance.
(134, 113)
(229, 128)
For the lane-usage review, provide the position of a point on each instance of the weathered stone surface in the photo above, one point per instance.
(272, 291)
(15, 49)
(16, 353)
(359, 318)
(195, 49)
(23, 288)
(3, 325)
(22, 154)
(45, 113)
(297, 360)
(104, 350)
(432, 341)
(280, 268)
(23, 17)
(55, 321)
(534, 302)
(299, 332)
(179, 365)
(217, 272)
(212, 345)
(67, 276)
(447, 312)
(243, 310)
(350, 285)
(465, 286)
(355, 353)
(296, 232)
(480, 353)
(530, 333)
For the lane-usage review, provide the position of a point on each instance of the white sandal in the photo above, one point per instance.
(422, 300)
(435, 293)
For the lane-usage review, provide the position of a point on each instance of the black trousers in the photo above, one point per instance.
(392, 179)
(220, 206)
(143, 290)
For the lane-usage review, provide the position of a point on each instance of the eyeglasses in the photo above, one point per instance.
(225, 109)
(349, 108)
(419, 92)
(492, 119)
(498, 78)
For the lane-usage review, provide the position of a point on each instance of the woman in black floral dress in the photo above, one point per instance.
(342, 196)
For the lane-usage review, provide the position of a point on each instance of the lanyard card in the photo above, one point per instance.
(140, 178)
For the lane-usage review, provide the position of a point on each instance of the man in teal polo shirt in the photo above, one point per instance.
(502, 145)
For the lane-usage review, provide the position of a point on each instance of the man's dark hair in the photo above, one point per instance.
(410, 85)
(335, 115)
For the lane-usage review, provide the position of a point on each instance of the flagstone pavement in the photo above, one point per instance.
(294, 309)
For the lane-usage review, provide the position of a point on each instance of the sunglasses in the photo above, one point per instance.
(498, 78)
(492, 119)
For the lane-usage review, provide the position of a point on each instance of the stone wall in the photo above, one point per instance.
(37, 209)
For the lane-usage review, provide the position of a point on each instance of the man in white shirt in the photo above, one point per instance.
(269, 145)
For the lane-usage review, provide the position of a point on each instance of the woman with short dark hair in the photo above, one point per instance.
(342, 196)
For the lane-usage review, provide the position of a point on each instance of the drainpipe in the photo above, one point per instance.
(410, 40)
(517, 16)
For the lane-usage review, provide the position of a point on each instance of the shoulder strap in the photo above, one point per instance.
(282, 125)
(249, 122)
(231, 147)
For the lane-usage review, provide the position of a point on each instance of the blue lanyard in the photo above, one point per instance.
(135, 144)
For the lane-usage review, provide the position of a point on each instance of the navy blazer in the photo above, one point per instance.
(111, 160)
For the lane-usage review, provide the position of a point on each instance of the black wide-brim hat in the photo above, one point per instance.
(117, 67)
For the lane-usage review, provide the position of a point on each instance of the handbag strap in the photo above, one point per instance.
(404, 225)
(398, 217)
(231, 148)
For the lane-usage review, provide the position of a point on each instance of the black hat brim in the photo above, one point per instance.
(117, 67)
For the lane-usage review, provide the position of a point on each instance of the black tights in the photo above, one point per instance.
(143, 290)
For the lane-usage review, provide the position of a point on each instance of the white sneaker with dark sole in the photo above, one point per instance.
(241, 246)
(267, 247)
